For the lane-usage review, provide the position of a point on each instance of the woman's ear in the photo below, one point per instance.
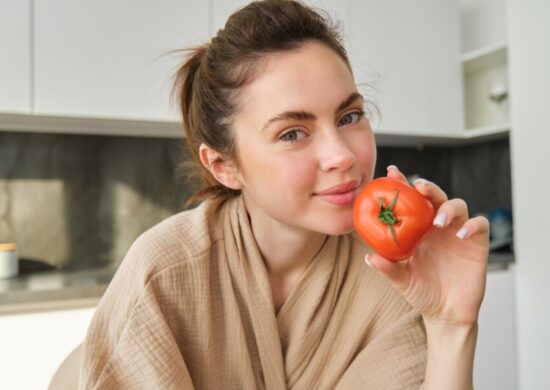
(225, 172)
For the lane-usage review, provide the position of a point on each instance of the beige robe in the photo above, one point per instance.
(191, 307)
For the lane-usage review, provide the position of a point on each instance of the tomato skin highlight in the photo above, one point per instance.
(413, 211)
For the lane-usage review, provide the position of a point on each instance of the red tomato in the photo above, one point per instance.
(392, 217)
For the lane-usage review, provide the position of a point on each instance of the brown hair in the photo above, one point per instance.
(208, 82)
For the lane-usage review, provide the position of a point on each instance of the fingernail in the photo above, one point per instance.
(440, 219)
(392, 167)
(462, 233)
(367, 260)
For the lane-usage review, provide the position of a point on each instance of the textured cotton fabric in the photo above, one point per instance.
(191, 307)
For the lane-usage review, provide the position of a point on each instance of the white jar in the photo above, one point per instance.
(9, 265)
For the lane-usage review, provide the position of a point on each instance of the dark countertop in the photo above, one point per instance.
(61, 290)
(53, 290)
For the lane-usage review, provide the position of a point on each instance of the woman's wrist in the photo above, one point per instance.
(438, 325)
(451, 349)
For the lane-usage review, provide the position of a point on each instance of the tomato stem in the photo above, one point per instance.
(386, 215)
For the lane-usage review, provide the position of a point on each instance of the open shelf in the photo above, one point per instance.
(486, 92)
(484, 56)
(487, 130)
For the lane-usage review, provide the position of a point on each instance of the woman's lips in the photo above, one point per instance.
(339, 199)
(343, 198)
(340, 188)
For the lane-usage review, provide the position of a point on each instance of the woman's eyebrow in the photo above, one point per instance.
(304, 115)
(350, 99)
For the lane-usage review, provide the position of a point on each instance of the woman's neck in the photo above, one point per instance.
(286, 250)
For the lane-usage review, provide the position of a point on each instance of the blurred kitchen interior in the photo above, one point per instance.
(90, 157)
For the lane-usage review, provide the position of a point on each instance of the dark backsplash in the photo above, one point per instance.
(478, 173)
(80, 201)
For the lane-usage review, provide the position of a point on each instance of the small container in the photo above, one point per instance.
(501, 224)
(9, 264)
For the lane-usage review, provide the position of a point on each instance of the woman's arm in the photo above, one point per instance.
(450, 355)
(129, 344)
(145, 355)
(444, 281)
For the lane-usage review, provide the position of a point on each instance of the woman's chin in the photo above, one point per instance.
(339, 229)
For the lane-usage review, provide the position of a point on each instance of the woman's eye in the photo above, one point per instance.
(352, 117)
(292, 135)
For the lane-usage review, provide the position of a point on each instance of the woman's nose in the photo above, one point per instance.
(336, 154)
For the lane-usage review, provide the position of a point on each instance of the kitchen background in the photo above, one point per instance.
(80, 201)
(89, 150)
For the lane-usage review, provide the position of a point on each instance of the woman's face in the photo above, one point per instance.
(300, 131)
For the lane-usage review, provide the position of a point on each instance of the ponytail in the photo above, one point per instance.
(188, 84)
(185, 79)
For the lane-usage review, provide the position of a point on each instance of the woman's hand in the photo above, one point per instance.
(444, 280)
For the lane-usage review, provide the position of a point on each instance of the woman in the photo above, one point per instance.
(263, 285)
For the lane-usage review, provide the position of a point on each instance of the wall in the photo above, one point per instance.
(529, 62)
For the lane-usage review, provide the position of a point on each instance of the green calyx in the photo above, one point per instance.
(386, 215)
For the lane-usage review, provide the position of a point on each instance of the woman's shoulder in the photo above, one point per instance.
(182, 237)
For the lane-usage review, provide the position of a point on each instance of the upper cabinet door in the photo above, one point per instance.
(112, 59)
(406, 56)
(483, 24)
(15, 56)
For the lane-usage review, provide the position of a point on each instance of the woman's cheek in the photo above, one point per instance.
(296, 174)
(365, 153)
(301, 175)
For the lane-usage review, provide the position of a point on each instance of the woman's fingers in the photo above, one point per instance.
(450, 211)
(475, 226)
(457, 210)
(431, 191)
(395, 173)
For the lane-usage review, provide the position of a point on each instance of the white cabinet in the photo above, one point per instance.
(407, 53)
(104, 67)
(483, 24)
(486, 90)
(405, 56)
(495, 364)
(485, 66)
(34, 345)
(15, 56)
(105, 59)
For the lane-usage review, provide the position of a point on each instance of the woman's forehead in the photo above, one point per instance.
(305, 79)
